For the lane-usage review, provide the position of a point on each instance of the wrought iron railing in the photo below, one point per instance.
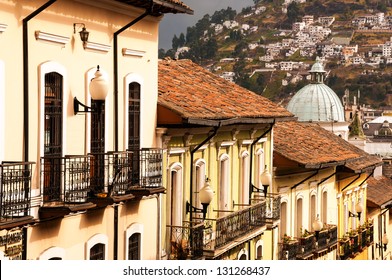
(151, 164)
(223, 230)
(270, 208)
(362, 238)
(186, 242)
(288, 250)
(65, 179)
(15, 188)
(333, 235)
(323, 240)
(306, 246)
(345, 249)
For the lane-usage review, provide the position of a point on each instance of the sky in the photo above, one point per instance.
(175, 24)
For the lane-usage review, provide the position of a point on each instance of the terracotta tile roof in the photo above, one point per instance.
(193, 92)
(379, 191)
(312, 146)
(161, 6)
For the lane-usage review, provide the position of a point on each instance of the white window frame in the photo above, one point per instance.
(176, 194)
(132, 229)
(200, 168)
(245, 172)
(128, 79)
(224, 182)
(52, 252)
(96, 239)
(43, 69)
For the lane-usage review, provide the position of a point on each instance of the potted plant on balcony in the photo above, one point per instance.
(179, 251)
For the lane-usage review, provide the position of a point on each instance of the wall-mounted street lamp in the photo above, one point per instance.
(317, 227)
(384, 242)
(205, 194)
(266, 181)
(358, 210)
(83, 33)
(98, 88)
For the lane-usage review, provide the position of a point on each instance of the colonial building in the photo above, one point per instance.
(214, 129)
(321, 179)
(379, 203)
(80, 173)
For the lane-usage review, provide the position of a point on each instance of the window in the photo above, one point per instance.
(96, 247)
(134, 128)
(260, 164)
(176, 194)
(200, 177)
(224, 169)
(313, 210)
(134, 242)
(298, 215)
(324, 209)
(283, 219)
(53, 122)
(97, 252)
(244, 188)
(259, 250)
(134, 247)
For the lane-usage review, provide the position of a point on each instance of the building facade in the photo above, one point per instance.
(214, 129)
(81, 174)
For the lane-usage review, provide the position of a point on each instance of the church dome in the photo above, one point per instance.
(317, 102)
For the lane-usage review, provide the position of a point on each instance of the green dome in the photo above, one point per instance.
(317, 102)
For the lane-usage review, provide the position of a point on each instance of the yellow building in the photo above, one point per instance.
(214, 129)
(379, 203)
(322, 181)
(81, 173)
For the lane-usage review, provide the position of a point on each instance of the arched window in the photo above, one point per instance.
(298, 217)
(259, 250)
(97, 252)
(283, 219)
(176, 196)
(200, 177)
(134, 242)
(96, 247)
(260, 165)
(313, 210)
(53, 135)
(324, 209)
(224, 171)
(134, 116)
(245, 172)
(134, 246)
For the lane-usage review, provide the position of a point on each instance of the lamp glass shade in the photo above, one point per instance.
(84, 35)
(266, 178)
(359, 208)
(206, 193)
(384, 239)
(98, 86)
(317, 224)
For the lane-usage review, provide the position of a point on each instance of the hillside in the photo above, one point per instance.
(269, 47)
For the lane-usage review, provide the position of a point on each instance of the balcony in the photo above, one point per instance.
(65, 185)
(210, 238)
(15, 199)
(77, 183)
(186, 242)
(147, 172)
(306, 246)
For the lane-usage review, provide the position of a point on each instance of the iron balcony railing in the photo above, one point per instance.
(149, 163)
(221, 231)
(65, 179)
(73, 179)
(270, 208)
(289, 250)
(15, 188)
(186, 242)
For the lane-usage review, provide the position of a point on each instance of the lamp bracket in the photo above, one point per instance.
(76, 105)
(75, 24)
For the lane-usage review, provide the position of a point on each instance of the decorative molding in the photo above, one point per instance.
(96, 47)
(3, 27)
(134, 53)
(173, 151)
(53, 38)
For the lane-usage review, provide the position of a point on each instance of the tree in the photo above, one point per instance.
(293, 12)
